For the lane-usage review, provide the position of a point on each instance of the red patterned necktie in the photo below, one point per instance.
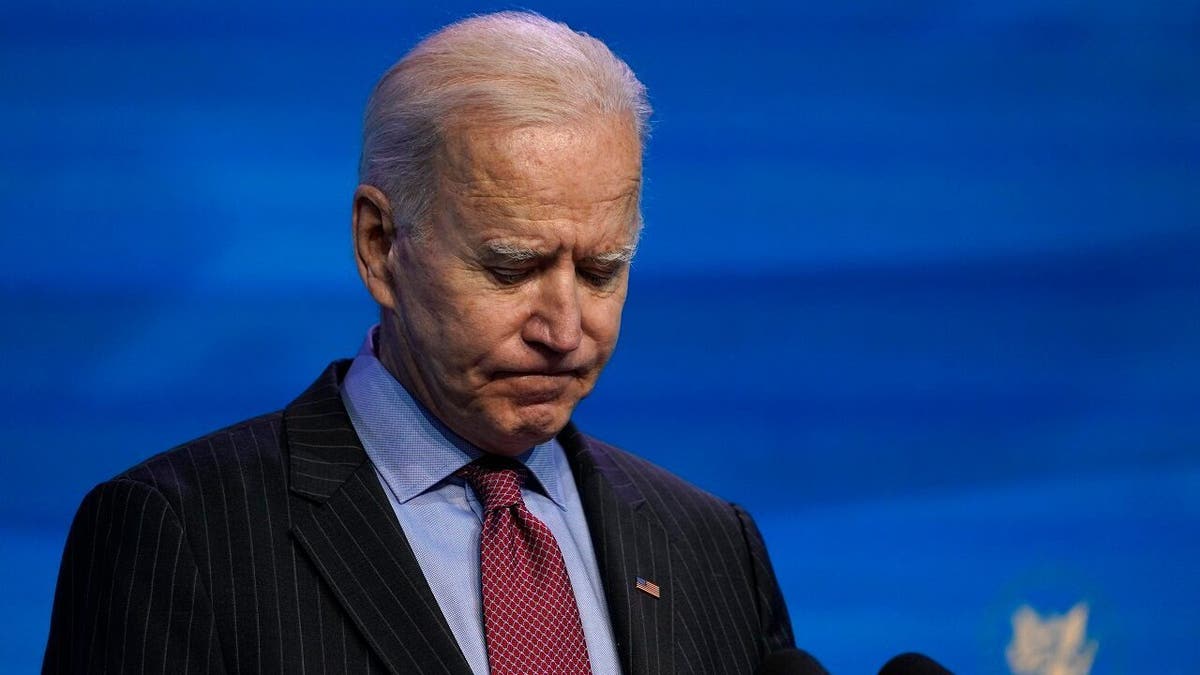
(529, 613)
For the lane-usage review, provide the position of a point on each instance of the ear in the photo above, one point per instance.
(374, 233)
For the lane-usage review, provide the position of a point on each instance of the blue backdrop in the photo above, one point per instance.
(918, 286)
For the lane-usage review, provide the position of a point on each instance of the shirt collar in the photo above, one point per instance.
(413, 450)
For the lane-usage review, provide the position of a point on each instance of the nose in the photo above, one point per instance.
(556, 320)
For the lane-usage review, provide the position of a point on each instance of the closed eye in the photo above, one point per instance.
(509, 276)
(600, 278)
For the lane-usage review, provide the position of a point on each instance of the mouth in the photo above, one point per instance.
(531, 387)
(552, 373)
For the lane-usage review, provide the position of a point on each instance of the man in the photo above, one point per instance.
(428, 507)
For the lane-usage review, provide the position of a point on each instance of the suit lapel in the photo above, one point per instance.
(343, 520)
(628, 544)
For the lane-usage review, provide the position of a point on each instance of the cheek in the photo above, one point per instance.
(447, 323)
(602, 321)
(480, 331)
(491, 317)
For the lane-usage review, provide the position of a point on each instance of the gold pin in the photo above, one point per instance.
(648, 587)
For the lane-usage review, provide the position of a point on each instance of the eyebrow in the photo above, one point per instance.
(510, 253)
(621, 256)
(519, 254)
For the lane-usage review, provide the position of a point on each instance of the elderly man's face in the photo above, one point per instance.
(508, 308)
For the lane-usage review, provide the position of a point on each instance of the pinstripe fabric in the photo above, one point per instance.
(720, 609)
(270, 547)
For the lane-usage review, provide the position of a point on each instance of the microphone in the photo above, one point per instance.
(790, 662)
(912, 663)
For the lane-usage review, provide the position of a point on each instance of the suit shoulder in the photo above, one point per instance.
(661, 488)
(202, 464)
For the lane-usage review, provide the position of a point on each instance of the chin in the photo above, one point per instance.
(529, 425)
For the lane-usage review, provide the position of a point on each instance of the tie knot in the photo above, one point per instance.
(496, 481)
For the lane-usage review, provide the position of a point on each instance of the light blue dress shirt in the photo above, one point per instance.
(415, 457)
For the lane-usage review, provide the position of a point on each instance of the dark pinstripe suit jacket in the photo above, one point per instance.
(270, 546)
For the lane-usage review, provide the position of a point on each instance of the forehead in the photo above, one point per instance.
(578, 171)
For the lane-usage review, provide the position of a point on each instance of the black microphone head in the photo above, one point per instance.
(912, 663)
(790, 662)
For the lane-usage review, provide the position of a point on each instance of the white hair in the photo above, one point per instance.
(506, 70)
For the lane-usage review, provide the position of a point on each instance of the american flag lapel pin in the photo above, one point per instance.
(648, 587)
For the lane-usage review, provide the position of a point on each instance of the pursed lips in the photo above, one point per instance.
(538, 386)
(537, 372)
